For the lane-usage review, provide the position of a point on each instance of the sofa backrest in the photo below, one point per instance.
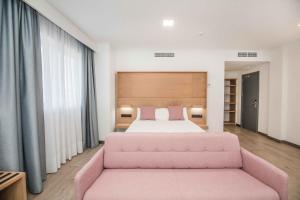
(167, 151)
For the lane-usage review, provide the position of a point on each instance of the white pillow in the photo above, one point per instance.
(185, 114)
(138, 114)
(161, 114)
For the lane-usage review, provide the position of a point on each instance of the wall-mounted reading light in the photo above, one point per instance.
(196, 111)
(126, 111)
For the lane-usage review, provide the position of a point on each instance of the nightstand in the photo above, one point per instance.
(203, 126)
(121, 127)
(199, 122)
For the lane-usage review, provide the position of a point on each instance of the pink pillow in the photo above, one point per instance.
(175, 113)
(147, 113)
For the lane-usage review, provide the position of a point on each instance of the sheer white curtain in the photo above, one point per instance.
(62, 60)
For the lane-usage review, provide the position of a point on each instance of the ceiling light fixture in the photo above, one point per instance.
(298, 25)
(168, 22)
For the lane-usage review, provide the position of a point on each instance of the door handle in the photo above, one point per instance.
(254, 103)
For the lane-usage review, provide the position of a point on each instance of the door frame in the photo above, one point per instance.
(242, 98)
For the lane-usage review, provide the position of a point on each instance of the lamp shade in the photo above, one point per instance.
(126, 110)
(196, 111)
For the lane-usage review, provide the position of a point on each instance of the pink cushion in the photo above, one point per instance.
(183, 184)
(167, 150)
(175, 113)
(147, 113)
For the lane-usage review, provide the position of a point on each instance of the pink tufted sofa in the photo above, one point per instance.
(178, 167)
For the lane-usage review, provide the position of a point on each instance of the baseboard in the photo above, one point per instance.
(272, 138)
(292, 144)
(280, 141)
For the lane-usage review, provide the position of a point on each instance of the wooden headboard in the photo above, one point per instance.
(160, 89)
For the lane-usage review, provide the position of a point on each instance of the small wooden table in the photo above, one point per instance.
(121, 127)
(13, 186)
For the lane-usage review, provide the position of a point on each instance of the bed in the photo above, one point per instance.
(164, 126)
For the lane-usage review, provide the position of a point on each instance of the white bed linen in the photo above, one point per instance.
(164, 126)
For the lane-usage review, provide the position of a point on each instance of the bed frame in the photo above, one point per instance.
(160, 89)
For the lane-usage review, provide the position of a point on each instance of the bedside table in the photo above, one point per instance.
(203, 126)
(121, 127)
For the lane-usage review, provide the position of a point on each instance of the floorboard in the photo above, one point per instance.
(282, 155)
(60, 185)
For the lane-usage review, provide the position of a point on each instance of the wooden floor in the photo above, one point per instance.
(282, 155)
(60, 186)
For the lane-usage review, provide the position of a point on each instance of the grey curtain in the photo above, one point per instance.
(22, 145)
(89, 108)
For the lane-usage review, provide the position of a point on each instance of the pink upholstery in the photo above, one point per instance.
(88, 174)
(175, 113)
(178, 167)
(137, 150)
(147, 113)
(266, 173)
(178, 184)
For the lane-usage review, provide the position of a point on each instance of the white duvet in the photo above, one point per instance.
(164, 126)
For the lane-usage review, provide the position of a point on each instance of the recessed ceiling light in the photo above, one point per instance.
(168, 22)
(298, 25)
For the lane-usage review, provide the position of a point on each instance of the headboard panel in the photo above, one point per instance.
(160, 89)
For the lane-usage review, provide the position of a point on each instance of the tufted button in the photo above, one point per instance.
(204, 148)
(138, 148)
(156, 149)
(121, 149)
(187, 148)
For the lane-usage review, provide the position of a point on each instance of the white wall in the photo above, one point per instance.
(47, 10)
(291, 93)
(263, 94)
(104, 89)
(275, 95)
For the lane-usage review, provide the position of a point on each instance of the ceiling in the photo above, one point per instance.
(242, 65)
(226, 24)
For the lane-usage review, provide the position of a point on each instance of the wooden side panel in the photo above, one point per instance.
(161, 85)
(161, 102)
(13, 186)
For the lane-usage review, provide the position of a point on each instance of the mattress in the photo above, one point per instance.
(164, 126)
